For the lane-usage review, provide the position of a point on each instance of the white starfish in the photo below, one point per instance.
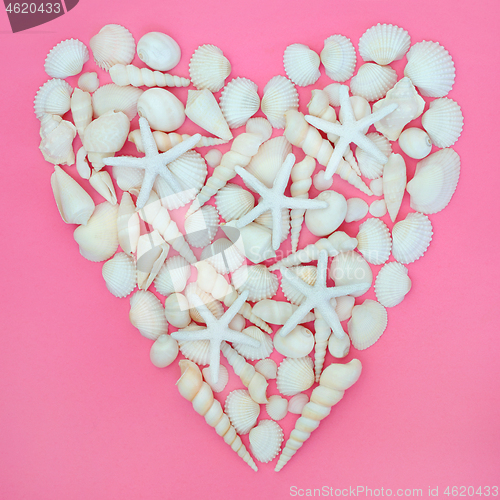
(318, 297)
(274, 199)
(350, 130)
(153, 163)
(217, 331)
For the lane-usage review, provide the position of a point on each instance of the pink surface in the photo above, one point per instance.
(83, 412)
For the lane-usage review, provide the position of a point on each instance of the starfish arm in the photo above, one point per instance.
(324, 125)
(377, 115)
(235, 307)
(296, 317)
(252, 215)
(340, 291)
(322, 268)
(242, 338)
(181, 148)
(369, 147)
(295, 281)
(337, 155)
(201, 307)
(345, 104)
(171, 180)
(191, 335)
(304, 203)
(125, 161)
(283, 175)
(214, 360)
(146, 187)
(148, 141)
(277, 230)
(251, 181)
(330, 316)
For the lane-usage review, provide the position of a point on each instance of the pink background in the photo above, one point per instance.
(84, 413)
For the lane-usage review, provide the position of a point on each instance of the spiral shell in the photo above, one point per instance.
(392, 284)
(164, 351)
(384, 43)
(295, 375)
(114, 44)
(443, 122)
(258, 280)
(372, 81)
(128, 74)
(265, 440)
(280, 95)
(339, 58)
(301, 64)
(66, 59)
(208, 68)
(81, 110)
(242, 410)
(394, 184)
(411, 237)
(239, 101)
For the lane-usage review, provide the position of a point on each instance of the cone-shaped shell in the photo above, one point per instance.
(280, 95)
(253, 353)
(208, 68)
(411, 237)
(147, 314)
(258, 280)
(297, 344)
(114, 44)
(394, 183)
(277, 407)
(392, 284)
(173, 275)
(266, 440)
(164, 351)
(233, 202)
(295, 375)
(372, 81)
(128, 225)
(239, 101)
(348, 268)
(202, 226)
(374, 241)
(267, 367)
(301, 64)
(113, 97)
(367, 324)
(119, 273)
(443, 122)
(339, 58)
(66, 59)
(384, 43)
(242, 410)
(53, 98)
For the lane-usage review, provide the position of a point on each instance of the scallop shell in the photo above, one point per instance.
(197, 351)
(208, 68)
(266, 219)
(372, 81)
(277, 407)
(66, 59)
(267, 367)
(213, 305)
(233, 202)
(305, 273)
(173, 275)
(411, 238)
(128, 178)
(301, 64)
(258, 280)
(392, 284)
(371, 168)
(443, 122)
(297, 403)
(394, 184)
(239, 101)
(202, 226)
(114, 44)
(177, 310)
(415, 143)
(221, 382)
(242, 410)
(88, 82)
(430, 68)
(384, 43)
(53, 98)
(112, 97)
(344, 307)
(280, 95)
(147, 314)
(378, 208)
(368, 323)
(128, 225)
(332, 91)
(265, 440)
(339, 58)
(297, 344)
(159, 51)
(295, 375)
(339, 348)
(435, 181)
(374, 241)
(120, 275)
(164, 351)
(254, 353)
(348, 268)
(223, 255)
(152, 251)
(356, 209)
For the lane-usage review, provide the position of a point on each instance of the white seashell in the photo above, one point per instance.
(384, 43)
(378, 208)
(339, 58)
(53, 98)
(173, 276)
(221, 382)
(392, 284)
(242, 410)
(73, 202)
(301, 64)
(320, 183)
(177, 310)
(297, 403)
(128, 225)
(260, 127)
(360, 107)
(349, 268)
(277, 407)
(394, 183)
(213, 158)
(297, 344)
(82, 165)
(202, 108)
(164, 351)
(372, 81)
(147, 315)
(98, 240)
(237, 323)
(239, 101)
(195, 350)
(370, 167)
(254, 353)
(265, 440)
(208, 68)
(128, 178)
(332, 91)
(107, 134)
(258, 280)
(114, 44)
(356, 209)
(223, 255)
(81, 109)
(202, 226)
(119, 273)
(411, 238)
(57, 140)
(339, 348)
(128, 74)
(277, 312)
(66, 59)
(267, 367)
(102, 183)
(162, 109)
(415, 143)
(374, 241)
(368, 323)
(295, 375)
(152, 251)
(88, 82)
(214, 306)
(305, 273)
(233, 202)
(410, 106)
(430, 68)
(280, 95)
(158, 51)
(112, 97)
(377, 186)
(344, 307)
(443, 122)
(324, 221)
(435, 181)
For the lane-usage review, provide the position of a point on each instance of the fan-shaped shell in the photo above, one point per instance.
(297, 344)
(356, 209)
(119, 273)
(295, 375)
(280, 95)
(112, 97)
(242, 410)
(392, 284)
(374, 241)
(305, 273)
(114, 44)
(221, 382)
(159, 51)
(277, 407)
(164, 351)
(258, 280)
(265, 440)
(369, 166)
(443, 122)
(201, 226)
(267, 367)
(233, 202)
(213, 305)
(223, 255)
(254, 353)
(173, 275)
(301, 64)
(197, 351)
(89, 81)
(128, 178)
(368, 323)
(384, 43)
(332, 91)
(208, 68)
(147, 314)
(297, 403)
(239, 101)
(53, 98)
(348, 268)
(66, 59)
(339, 58)
(415, 143)
(372, 81)
(411, 237)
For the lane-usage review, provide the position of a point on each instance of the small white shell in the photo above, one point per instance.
(164, 351)
(162, 109)
(239, 101)
(57, 140)
(120, 275)
(177, 310)
(213, 305)
(301, 64)
(223, 255)
(147, 314)
(267, 367)
(233, 202)
(371, 168)
(173, 276)
(443, 122)
(238, 323)
(295, 375)
(258, 280)
(88, 82)
(348, 268)
(152, 251)
(102, 183)
(201, 226)
(277, 407)
(339, 348)
(368, 323)
(394, 183)
(53, 98)
(384, 43)
(324, 221)
(374, 241)
(114, 97)
(372, 81)
(128, 225)
(114, 44)
(339, 58)
(277, 312)
(332, 91)
(265, 440)
(320, 183)
(253, 353)
(377, 186)
(223, 378)
(356, 209)
(208, 68)
(344, 307)
(260, 127)
(297, 344)
(392, 284)
(242, 410)
(195, 350)
(66, 59)
(213, 157)
(280, 95)
(297, 403)
(305, 273)
(415, 143)
(159, 51)
(378, 208)
(128, 178)
(81, 110)
(411, 238)
(82, 165)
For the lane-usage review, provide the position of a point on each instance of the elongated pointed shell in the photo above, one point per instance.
(372, 81)
(102, 183)
(164, 351)
(443, 122)
(266, 440)
(201, 226)
(66, 59)
(147, 314)
(114, 44)
(253, 353)
(119, 273)
(339, 58)
(374, 241)
(267, 367)
(384, 43)
(258, 280)
(208, 68)
(394, 183)
(128, 225)
(348, 268)
(233, 202)
(295, 375)
(368, 323)
(297, 344)
(242, 410)
(173, 276)
(53, 98)
(277, 407)
(301, 64)
(112, 97)
(221, 382)
(280, 95)
(392, 284)
(239, 101)
(152, 251)
(411, 238)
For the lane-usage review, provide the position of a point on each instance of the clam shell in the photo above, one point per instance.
(280, 95)
(265, 440)
(356, 209)
(254, 353)
(222, 380)
(297, 403)
(384, 43)
(415, 143)
(201, 226)
(197, 351)
(208, 68)
(53, 98)
(374, 241)
(339, 58)
(394, 184)
(372, 81)
(242, 410)
(119, 273)
(223, 255)
(128, 225)
(173, 275)
(88, 82)
(164, 351)
(411, 238)
(159, 51)
(332, 91)
(392, 284)
(301, 64)
(213, 305)
(162, 109)
(147, 314)
(239, 101)
(277, 407)
(344, 307)
(66, 59)
(443, 122)
(339, 348)
(295, 375)
(368, 323)
(114, 44)
(371, 168)
(152, 251)
(213, 157)
(305, 273)
(177, 310)
(233, 202)
(258, 280)
(378, 208)
(297, 344)
(267, 367)
(112, 97)
(348, 268)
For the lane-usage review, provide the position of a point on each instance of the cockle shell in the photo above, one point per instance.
(119, 273)
(223, 255)
(372, 81)
(242, 410)
(177, 310)
(128, 178)
(213, 157)
(374, 241)
(213, 305)
(173, 275)
(152, 251)
(277, 407)
(324, 221)
(164, 351)
(107, 134)
(208, 68)
(356, 209)
(102, 183)
(195, 350)
(370, 167)
(384, 43)
(415, 143)
(280, 95)
(301, 64)
(392, 284)
(147, 314)
(348, 268)
(394, 183)
(258, 280)
(332, 91)
(53, 98)
(339, 58)
(295, 375)
(98, 240)
(265, 440)
(114, 44)
(233, 202)
(57, 140)
(377, 186)
(368, 323)
(344, 307)
(411, 238)
(297, 403)
(159, 51)
(128, 224)
(113, 97)
(88, 82)
(162, 109)
(221, 382)
(430, 68)
(297, 344)
(339, 348)
(305, 273)
(202, 226)
(239, 101)
(81, 110)
(267, 367)
(66, 59)
(378, 208)
(277, 312)
(443, 122)
(435, 181)
(254, 353)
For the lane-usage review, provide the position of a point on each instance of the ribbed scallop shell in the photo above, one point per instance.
(120, 275)
(223, 255)
(339, 58)
(332, 91)
(201, 226)
(112, 97)
(295, 375)
(430, 68)
(197, 351)
(367, 324)
(89, 81)
(242, 410)
(297, 403)
(213, 305)
(258, 280)
(280, 95)
(384, 43)
(265, 440)
(277, 407)
(267, 367)
(114, 44)
(373, 81)
(173, 275)
(392, 284)
(128, 178)
(266, 220)
(411, 238)
(208, 68)
(443, 122)
(147, 314)
(374, 241)
(66, 59)
(297, 344)
(348, 268)
(371, 168)
(301, 64)
(53, 98)
(239, 101)
(233, 202)
(305, 273)
(435, 181)
(221, 382)
(254, 353)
